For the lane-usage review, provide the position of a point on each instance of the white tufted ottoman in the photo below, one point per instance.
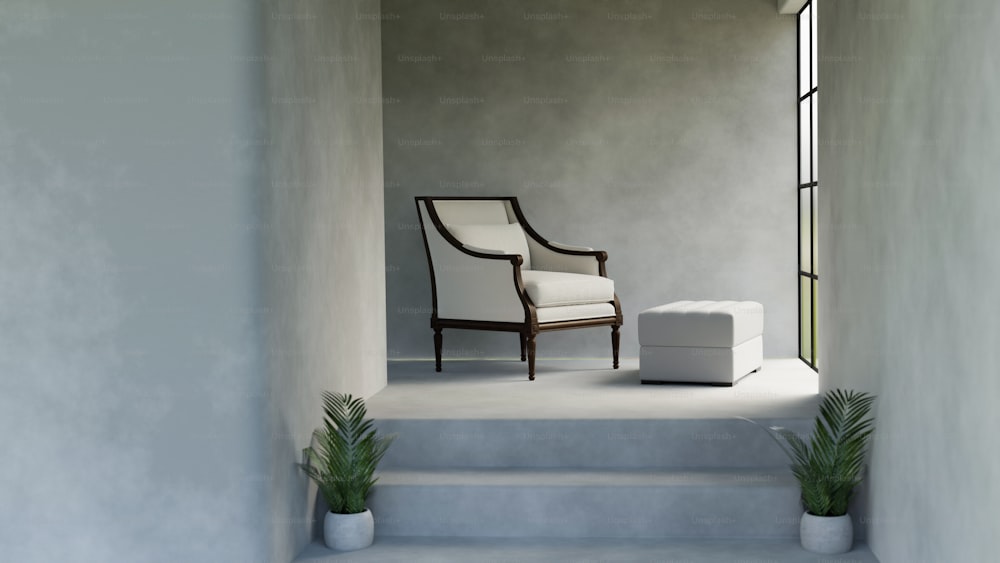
(715, 342)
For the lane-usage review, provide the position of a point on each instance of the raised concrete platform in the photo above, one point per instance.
(585, 389)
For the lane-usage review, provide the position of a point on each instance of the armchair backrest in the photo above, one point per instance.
(453, 212)
(474, 211)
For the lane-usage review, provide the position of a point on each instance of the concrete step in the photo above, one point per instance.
(585, 444)
(545, 550)
(581, 503)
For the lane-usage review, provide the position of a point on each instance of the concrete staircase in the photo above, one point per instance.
(622, 490)
(619, 478)
(585, 464)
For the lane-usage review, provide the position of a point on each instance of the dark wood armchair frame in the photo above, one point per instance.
(530, 328)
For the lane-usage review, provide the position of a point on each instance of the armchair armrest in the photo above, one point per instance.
(562, 246)
(489, 251)
(478, 288)
(558, 257)
(473, 283)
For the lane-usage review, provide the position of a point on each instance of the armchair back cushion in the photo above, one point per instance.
(474, 212)
(505, 238)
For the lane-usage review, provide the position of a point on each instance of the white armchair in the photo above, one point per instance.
(491, 271)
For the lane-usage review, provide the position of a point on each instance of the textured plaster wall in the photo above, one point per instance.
(662, 132)
(909, 219)
(323, 241)
(131, 384)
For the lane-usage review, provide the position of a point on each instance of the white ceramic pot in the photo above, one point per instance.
(348, 532)
(826, 534)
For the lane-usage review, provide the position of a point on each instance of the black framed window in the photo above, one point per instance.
(807, 188)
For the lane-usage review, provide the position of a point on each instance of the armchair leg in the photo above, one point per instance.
(615, 341)
(531, 356)
(437, 348)
(523, 338)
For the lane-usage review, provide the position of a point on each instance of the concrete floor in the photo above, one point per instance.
(585, 389)
(482, 550)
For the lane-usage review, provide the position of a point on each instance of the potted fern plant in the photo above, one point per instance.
(829, 467)
(347, 450)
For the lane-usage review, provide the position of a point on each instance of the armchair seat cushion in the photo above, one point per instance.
(557, 289)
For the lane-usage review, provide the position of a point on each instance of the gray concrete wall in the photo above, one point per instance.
(324, 248)
(662, 132)
(909, 219)
(132, 384)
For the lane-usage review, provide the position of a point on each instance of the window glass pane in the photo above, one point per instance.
(805, 309)
(805, 139)
(815, 44)
(808, 198)
(815, 338)
(805, 57)
(815, 229)
(815, 138)
(805, 214)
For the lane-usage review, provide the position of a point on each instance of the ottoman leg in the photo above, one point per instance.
(615, 342)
